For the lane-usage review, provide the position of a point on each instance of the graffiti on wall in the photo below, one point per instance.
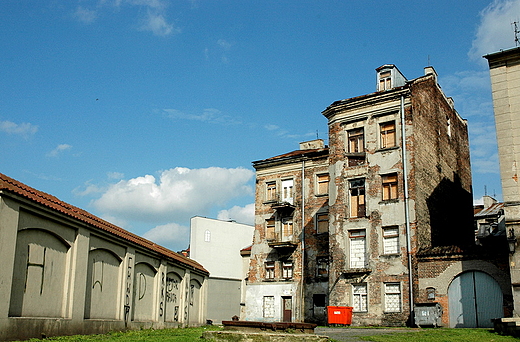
(128, 292)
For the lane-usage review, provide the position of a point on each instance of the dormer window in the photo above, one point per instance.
(385, 80)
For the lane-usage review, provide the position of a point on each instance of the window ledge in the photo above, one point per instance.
(390, 201)
(386, 149)
(391, 255)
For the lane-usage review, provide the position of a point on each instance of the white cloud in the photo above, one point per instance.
(60, 148)
(157, 24)
(239, 214)
(495, 31)
(210, 115)
(178, 194)
(85, 15)
(23, 129)
(169, 235)
(115, 175)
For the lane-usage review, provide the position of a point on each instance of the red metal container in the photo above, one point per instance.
(339, 315)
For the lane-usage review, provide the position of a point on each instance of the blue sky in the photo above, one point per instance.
(149, 112)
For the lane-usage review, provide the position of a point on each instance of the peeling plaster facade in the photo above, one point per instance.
(398, 201)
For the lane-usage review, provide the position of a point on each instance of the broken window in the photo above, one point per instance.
(357, 198)
(388, 135)
(389, 186)
(322, 267)
(322, 184)
(270, 191)
(392, 297)
(287, 269)
(359, 297)
(319, 300)
(385, 80)
(322, 223)
(269, 270)
(269, 228)
(357, 248)
(391, 240)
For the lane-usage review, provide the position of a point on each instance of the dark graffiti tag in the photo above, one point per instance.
(128, 294)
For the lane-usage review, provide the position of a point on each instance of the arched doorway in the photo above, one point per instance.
(474, 299)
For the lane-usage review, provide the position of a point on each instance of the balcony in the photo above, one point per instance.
(279, 241)
(279, 202)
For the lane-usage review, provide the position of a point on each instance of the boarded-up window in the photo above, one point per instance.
(322, 184)
(268, 306)
(357, 198)
(357, 248)
(359, 297)
(322, 223)
(392, 297)
(269, 270)
(389, 183)
(287, 229)
(269, 228)
(385, 80)
(391, 240)
(270, 191)
(388, 135)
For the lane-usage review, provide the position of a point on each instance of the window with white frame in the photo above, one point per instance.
(357, 248)
(359, 297)
(391, 240)
(392, 297)
(387, 131)
(389, 184)
(269, 270)
(357, 198)
(270, 191)
(322, 223)
(287, 190)
(322, 184)
(287, 269)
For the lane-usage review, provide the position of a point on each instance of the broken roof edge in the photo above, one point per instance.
(295, 155)
(14, 188)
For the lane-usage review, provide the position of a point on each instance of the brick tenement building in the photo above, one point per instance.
(397, 211)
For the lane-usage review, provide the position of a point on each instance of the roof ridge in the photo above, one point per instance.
(52, 202)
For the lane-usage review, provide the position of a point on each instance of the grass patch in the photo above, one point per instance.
(146, 335)
(443, 335)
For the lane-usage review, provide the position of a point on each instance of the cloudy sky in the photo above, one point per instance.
(149, 112)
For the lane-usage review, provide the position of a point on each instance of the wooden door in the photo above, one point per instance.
(287, 309)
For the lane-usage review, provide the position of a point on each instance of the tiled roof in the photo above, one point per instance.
(8, 184)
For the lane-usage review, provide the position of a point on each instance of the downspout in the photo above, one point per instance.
(407, 209)
(302, 299)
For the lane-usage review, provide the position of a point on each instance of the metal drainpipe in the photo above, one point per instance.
(406, 208)
(302, 299)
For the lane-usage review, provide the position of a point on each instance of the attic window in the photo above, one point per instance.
(385, 80)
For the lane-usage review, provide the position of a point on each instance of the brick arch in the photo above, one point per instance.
(446, 278)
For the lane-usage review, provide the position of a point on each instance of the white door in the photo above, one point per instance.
(475, 298)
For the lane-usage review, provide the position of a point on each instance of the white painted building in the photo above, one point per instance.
(216, 244)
